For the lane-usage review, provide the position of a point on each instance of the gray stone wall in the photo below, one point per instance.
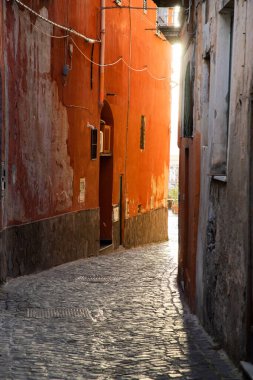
(225, 272)
(116, 235)
(146, 228)
(223, 253)
(47, 243)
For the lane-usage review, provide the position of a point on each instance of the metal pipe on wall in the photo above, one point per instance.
(102, 56)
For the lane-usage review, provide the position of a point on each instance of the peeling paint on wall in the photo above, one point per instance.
(43, 175)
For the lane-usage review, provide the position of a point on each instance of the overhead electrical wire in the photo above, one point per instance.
(66, 29)
(47, 34)
(120, 59)
(145, 68)
(91, 61)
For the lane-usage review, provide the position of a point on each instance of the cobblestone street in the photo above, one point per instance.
(117, 316)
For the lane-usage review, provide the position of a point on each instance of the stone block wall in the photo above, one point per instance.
(146, 228)
(40, 245)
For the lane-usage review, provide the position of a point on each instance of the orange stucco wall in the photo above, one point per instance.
(46, 114)
(45, 133)
(145, 172)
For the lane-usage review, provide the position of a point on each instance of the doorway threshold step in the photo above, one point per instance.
(247, 368)
(106, 249)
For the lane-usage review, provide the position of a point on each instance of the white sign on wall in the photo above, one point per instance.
(82, 192)
(115, 213)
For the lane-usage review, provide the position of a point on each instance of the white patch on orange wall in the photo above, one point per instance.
(127, 209)
(115, 213)
(159, 188)
(81, 198)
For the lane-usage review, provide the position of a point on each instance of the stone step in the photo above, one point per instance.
(247, 368)
(106, 249)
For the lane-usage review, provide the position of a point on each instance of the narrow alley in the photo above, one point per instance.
(124, 123)
(117, 316)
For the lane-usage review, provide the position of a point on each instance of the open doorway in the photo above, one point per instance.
(106, 176)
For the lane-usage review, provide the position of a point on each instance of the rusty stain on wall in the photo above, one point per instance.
(41, 127)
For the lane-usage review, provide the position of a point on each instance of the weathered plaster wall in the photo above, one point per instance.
(45, 139)
(223, 253)
(46, 144)
(227, 259)
(40, 171)
(48, 141)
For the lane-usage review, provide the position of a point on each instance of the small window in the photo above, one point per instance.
(145, 6)
(142, 132)
(207, 11)
(94, 143)
(188, 103)
(223, 81)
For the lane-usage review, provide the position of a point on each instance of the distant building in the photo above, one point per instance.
(85, 121)
(174, 172)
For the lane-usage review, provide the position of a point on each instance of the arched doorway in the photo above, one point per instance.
(106, 175)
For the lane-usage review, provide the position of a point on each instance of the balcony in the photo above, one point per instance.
(169, 23)
(170, 3)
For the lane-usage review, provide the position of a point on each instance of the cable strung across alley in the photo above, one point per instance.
(144, 68)
(72, 31)
(66, 29)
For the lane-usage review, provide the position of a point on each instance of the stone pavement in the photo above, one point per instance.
(118, 316)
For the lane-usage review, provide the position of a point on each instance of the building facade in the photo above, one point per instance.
(84, 152)
(215, 140)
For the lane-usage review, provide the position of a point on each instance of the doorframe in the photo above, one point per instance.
(249, 342)
(106, 116)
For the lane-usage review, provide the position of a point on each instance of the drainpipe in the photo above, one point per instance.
(102, 56)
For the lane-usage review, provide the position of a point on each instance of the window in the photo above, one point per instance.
(94, 143)
(142, 132)
(222, 90)
(162, 16)
(188, 103)
(206, 11)
(145, 6)
(205, 95)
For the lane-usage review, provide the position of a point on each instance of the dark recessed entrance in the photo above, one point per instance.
(106, 176)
